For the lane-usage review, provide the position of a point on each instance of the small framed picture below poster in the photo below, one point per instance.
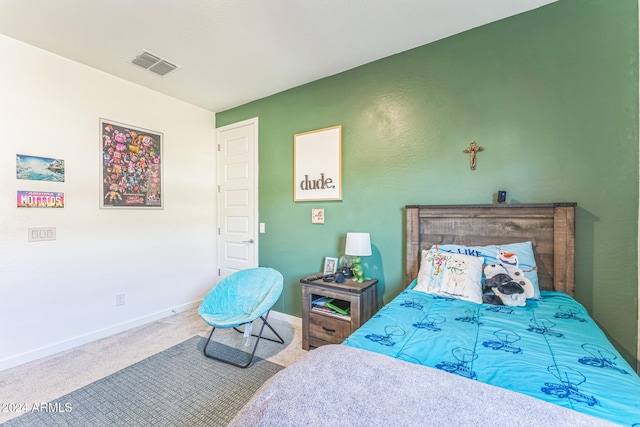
(318, 165)
(130, 166)
(317, 216)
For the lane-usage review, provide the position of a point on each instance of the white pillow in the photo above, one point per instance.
(522, 267)
(451, 275)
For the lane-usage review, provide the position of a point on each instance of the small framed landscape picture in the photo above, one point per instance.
(330, 265)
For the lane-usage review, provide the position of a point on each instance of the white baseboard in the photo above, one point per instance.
(51, 349)
(58, 347)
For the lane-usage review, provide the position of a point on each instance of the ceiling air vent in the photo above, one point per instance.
(154, 63)
(163, 67)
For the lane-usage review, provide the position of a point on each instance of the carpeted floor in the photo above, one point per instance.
(176, 387)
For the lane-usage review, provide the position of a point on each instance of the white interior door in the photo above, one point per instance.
(237, 197)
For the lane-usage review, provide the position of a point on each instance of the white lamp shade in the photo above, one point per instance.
(358, 244)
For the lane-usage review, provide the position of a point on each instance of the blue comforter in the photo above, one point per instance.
(550, 349)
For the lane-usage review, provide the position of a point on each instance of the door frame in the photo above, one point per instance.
(255, 246)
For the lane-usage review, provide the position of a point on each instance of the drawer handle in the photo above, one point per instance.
(328, 330)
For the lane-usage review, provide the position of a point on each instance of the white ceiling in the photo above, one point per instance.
(235, 51)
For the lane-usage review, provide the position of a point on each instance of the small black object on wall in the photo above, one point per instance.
(502, 196)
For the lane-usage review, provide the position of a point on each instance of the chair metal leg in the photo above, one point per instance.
(264, 320)
(259, 336)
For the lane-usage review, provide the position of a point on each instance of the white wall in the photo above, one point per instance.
(55, 295)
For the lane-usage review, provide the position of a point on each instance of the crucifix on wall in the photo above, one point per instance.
(472, 149)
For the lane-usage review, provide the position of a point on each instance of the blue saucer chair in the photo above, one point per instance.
(238, 300)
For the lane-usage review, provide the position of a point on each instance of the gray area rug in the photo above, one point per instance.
(176, 387)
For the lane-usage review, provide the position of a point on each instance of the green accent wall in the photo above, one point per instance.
(551, 95)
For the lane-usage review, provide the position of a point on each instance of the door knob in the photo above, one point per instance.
(248, 241)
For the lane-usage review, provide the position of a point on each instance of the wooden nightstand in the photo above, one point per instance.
(320, 327)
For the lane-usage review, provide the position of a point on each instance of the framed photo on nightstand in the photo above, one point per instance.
(330, 265)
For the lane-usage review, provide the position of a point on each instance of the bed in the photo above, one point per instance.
(447, 352)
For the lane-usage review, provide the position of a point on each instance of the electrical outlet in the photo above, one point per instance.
(119, 299)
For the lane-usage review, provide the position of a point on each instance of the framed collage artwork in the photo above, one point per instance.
(130, 166)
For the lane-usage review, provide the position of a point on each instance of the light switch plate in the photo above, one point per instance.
(41, 234)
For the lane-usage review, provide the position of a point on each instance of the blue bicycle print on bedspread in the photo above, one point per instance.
(462, 367)
(600, 358)
(506, 338)
(386, 340)
(569, 379)
(430, 323)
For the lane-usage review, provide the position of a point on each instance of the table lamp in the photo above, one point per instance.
(358, 245)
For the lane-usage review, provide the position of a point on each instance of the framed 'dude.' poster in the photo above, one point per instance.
(318, 165)
(130, 166)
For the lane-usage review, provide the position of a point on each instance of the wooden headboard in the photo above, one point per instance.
(549, 226)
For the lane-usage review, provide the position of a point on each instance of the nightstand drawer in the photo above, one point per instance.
(324, 325)
(328, 328)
